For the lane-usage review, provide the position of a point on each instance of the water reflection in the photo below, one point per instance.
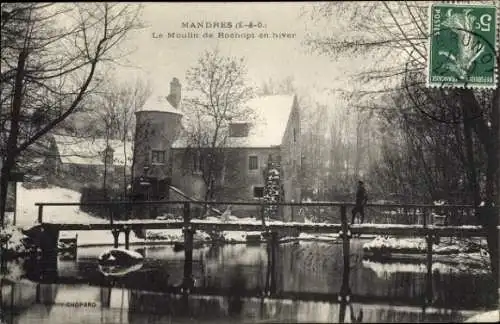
(313, 271)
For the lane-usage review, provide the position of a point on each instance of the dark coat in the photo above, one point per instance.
(361, 196)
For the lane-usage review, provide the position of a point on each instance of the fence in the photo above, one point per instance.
(315, 212)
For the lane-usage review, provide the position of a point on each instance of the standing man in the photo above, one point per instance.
(361, 199)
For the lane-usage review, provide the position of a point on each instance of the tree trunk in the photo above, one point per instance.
(104, 184)
(104, 180)
(470, 165)
(125, 184)
(4, 185)
(488, 216)
(10, 159)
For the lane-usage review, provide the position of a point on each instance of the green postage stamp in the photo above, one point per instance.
(463, 46)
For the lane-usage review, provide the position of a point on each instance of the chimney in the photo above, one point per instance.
(175, 93)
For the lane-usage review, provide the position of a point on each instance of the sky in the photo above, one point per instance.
(160, 58)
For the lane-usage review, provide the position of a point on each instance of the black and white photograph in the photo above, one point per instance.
(250, 162)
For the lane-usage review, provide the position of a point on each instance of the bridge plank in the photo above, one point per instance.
(385, 229)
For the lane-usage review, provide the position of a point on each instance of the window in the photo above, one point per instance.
(158, 157)
(253, 162)
(240, 129)
(258, 192)
(155, 128)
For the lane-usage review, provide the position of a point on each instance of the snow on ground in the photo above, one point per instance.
(319, 237)
(416, 244)
(486, 317)
(27, 212)
(384, 270)
(238, 236)
(90, 238)
(381, 242)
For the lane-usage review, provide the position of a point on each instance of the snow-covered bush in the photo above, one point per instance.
(14, 270)
(385, 245)
(13, 241)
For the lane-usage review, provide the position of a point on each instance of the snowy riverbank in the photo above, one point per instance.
(486, 317)
(419, 245)
(463, 254)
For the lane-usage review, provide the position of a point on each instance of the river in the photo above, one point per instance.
(302, 286)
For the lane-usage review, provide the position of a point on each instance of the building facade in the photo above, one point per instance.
(88, 160)
(164, 159)
(157, 126)
(270, 140)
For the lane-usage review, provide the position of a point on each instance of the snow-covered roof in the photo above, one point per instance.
(159, 104)
(267, 128)
(88, 151)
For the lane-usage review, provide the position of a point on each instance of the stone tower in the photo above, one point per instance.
(157, 127)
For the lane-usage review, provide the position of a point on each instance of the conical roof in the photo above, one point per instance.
(160, 104)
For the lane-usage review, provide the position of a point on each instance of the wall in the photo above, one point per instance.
(154, 131)
(237, 183)
(239, 180)
(291, 161)
(183, 176)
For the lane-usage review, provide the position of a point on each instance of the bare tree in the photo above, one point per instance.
(277, 87)
(219, 91)
(399, 31)
(118, 102)
(51, 60)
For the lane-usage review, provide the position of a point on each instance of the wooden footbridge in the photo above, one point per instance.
(50, 231)
(270, 226)
(274, 229)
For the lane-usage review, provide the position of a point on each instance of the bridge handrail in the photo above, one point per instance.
(247, 203)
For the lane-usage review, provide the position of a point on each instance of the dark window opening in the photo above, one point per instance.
(253, 162)
(158, 157)
(258, 192)
(239, 129)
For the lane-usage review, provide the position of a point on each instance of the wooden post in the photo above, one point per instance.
(344, 294)
(268, 268)
(345, 233)
(274, 246)
(425, 211)
(116, 234)
(126, 230)
(110, 210)
(40, 214)
(37, 293)
(262, 215)
(48, 244)
(428, 298)
(15, 204)
(188, 248)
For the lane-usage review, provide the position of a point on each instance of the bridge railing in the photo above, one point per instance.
(317, 212)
